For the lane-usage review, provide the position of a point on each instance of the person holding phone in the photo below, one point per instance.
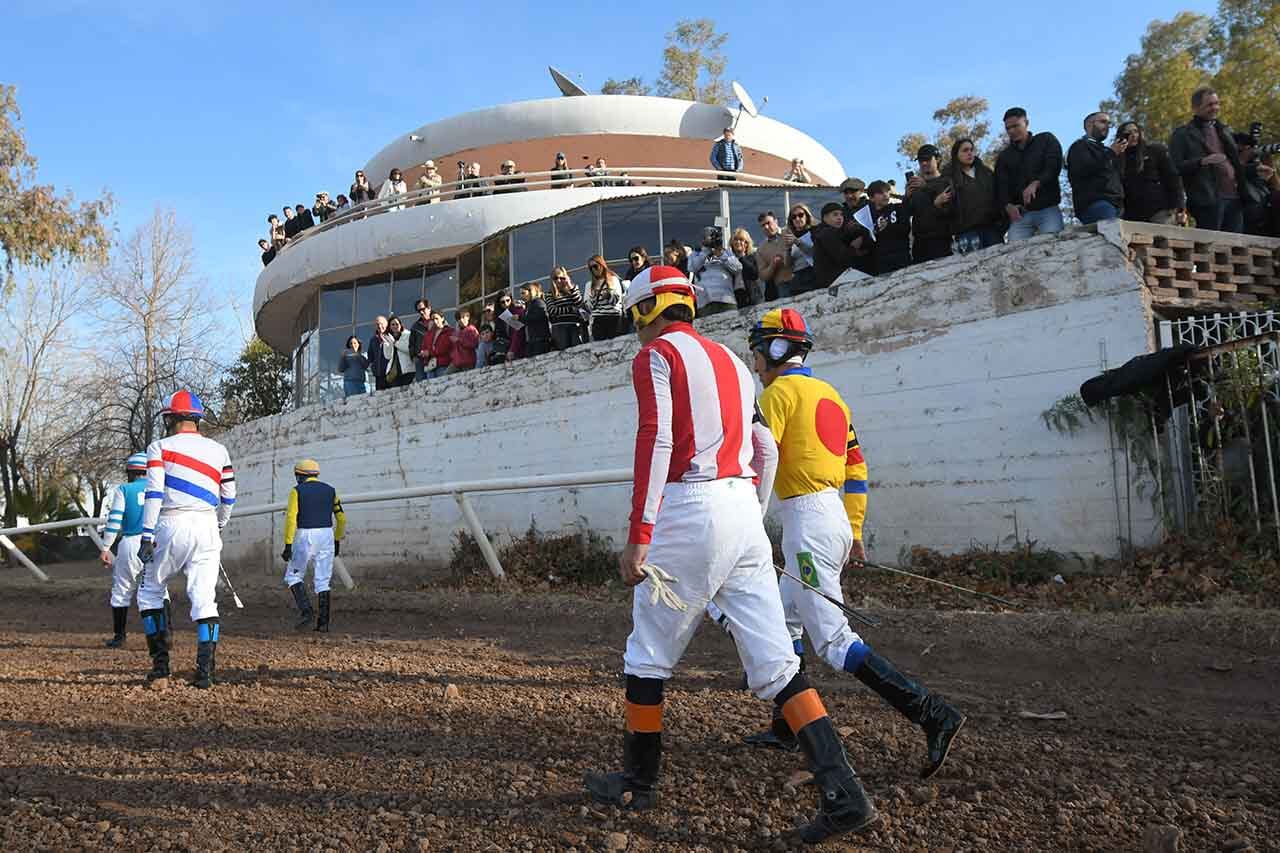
(1093, 168)
(928, 205)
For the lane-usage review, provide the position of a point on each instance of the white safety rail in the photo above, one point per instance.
(459, 490)
(671, 177)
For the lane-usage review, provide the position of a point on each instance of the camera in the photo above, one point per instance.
(713, 237)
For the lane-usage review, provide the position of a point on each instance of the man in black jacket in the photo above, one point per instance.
(268, 252)
(1205, 155)
(304, 217)
(1027, 172)
(928, 195)
(834, 249)
(1093, 168)
(1152, 188)
(416, 333)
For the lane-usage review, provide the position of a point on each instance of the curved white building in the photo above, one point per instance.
(461, 249)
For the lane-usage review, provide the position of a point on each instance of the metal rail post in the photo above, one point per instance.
(22, 558)
(477, 530)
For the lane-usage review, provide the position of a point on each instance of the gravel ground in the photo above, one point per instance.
(444, 720)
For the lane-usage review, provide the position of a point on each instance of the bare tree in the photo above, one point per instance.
(163, 327)
(37, 416)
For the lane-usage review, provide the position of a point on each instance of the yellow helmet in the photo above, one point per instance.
(307, 468)
(666, 285)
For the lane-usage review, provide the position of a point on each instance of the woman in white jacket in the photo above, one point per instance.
(393, 185)
(395, 346)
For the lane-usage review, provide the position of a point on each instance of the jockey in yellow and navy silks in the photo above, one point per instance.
(822, 485)
(309, 523)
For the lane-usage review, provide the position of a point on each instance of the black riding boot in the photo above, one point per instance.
(844, 806)
(940, 721)
(208, 644)
(156, 627)
(636, 786)
(305, 613)
(119, 619)
(322, 621)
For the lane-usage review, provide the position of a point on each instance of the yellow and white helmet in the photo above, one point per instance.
(667, 285)
(307, 468)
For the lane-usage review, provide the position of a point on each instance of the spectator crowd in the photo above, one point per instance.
(1207, 175)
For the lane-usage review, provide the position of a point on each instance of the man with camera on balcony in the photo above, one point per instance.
(1205, 154)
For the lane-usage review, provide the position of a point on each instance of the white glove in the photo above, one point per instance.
(661, 591)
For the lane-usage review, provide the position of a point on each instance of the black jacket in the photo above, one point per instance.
(1187, 147)
(1094, 172)
(417, 332)
(1040, 159)
(269, 255)
(891, 250)
(928, 221)
(1151, 184)
(305, 220)
(833, 253)
(974, 203)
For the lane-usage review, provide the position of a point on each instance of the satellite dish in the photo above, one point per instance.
(745, 104)
(567, 87)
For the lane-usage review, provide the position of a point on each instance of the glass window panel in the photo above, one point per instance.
(406, 290)
(745, 205)
(468, 278)
(532, 246)
(373, 297)
(497, 265)
(684, 215)
(335, 306)
(576, 238)
(628, 224)
(441, 288)
(814, 199)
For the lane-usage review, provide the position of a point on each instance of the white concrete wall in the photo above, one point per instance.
(946, 366)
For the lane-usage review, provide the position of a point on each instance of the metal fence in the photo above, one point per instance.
(1223, 443)
(459, 490)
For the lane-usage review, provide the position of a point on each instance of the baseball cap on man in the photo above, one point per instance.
(927, 152)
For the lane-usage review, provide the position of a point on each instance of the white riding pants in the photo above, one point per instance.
(711, 538)
(315, 545)
(816, 540)
(126, 571)
(186, 543)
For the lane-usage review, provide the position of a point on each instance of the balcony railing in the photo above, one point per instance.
(614, 176)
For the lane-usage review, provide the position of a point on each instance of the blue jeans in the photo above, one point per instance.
(1224, 215)
(1099, 211)
(352, 387)
(421, 373)
(1033, 222)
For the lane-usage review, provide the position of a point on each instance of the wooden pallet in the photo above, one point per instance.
(1177, 268)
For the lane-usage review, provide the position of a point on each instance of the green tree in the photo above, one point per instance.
(38, 226)
(1156, 85)
(1237, 52)
(629, 86)
(260, 383)
(964, 117)
(693, 64)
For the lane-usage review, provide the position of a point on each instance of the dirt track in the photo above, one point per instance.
(348, 742)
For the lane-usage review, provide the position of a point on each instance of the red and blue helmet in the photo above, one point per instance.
(137, 462)
(183, 404)
(780, 335)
